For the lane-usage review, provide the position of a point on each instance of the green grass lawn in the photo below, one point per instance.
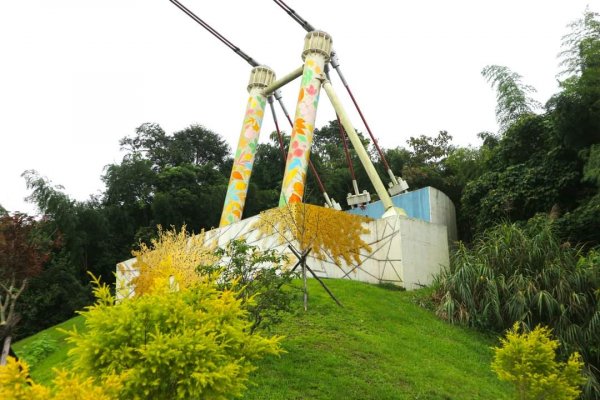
(42, 371)
(380, 345)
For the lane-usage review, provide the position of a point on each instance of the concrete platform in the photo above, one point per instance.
(407, 252)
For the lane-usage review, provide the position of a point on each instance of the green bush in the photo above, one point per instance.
(524, 273)
(39, 349)
(258, 277)
(528, 361)
(51, 298)
(582, 225)
(187, 344)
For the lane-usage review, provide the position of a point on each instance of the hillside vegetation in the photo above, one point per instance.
(380, 345)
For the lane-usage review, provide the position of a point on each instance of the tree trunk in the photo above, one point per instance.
(305, 285)
(5, 349)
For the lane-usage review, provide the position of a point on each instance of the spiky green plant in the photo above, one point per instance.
(524, 273)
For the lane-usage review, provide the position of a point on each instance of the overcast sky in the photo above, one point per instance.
(78, 75)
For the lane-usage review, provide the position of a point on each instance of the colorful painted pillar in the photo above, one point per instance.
(317, 48)
(260, 78)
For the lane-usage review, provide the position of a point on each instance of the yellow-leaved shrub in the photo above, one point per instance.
(322, 230)
(171, 260)
(15, 384)
(170, 344)
(528, 361)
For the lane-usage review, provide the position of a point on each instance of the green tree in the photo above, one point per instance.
(267, 175)
(512, 96)
(149, 142)
(542, 162)
(23, 252)
(579, 43)
(177, 180)
(199, 146)
(83, 227)
(257, 276)
(527, 172)
(192, 145)
(88, 242)
(426, 167)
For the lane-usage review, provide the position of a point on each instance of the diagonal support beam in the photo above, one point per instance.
(359, 148)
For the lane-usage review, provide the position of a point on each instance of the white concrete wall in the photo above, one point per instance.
(425, 250)
(442, 212)
(406, 252)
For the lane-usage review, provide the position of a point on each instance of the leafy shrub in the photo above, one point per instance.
(171, 259)
(523, 273)
(185, 344)
(15, 384)
(582, 225)
(52, 297)
(177, 259)
(36, 351)
(258, 276)
(527, 360)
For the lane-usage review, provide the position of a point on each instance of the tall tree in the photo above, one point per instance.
(22, 255)
(149, 142)
(543, 162)
(199, 146)
(582, 39)
(512, 96)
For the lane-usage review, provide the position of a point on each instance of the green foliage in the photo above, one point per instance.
(524, 273)
(425, 164)
(180, 190)
(37, 350)
(130, 183)
(512, 96)
(527, 360)
(435, 161)
(257, 276)
(51, 297)
(198, 146)
(44, 371)
(194, 145)
(85, 229)
(380, 346)
(576, 110)
(526, 172)
(178, 345)
(591, 169)
(169, 180)
(582, 225)
(576, 44)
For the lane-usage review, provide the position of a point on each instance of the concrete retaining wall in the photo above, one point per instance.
(427, 204)
(404, 251)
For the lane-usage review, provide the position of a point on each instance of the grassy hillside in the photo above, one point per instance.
(47, 350)
(381, 345)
